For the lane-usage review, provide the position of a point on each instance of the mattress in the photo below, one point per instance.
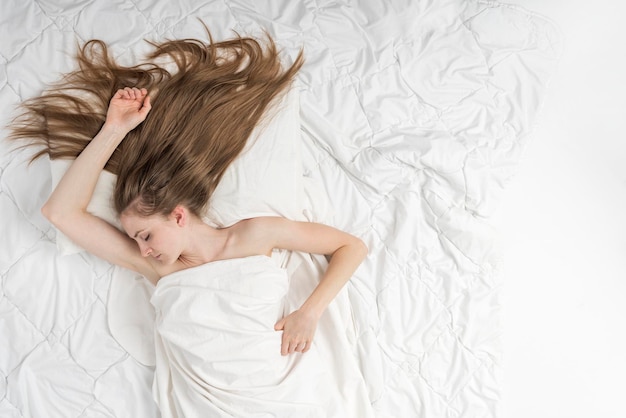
(414, 117)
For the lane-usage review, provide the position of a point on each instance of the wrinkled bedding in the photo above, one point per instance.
(414, 117)
(225, 311)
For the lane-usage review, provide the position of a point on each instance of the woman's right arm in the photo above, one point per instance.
(67, 206)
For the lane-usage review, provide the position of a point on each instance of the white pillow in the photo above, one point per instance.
(265, 180)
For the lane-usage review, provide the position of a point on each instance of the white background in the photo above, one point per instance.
(563, 223)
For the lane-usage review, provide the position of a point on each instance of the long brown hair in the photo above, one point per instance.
(202, 115)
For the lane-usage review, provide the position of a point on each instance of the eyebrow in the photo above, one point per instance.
(137, 233)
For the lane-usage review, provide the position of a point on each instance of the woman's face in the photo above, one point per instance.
(158, 236)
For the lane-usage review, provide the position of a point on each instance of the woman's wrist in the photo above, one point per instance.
(113, 129)
(111, 135)
(312, 311)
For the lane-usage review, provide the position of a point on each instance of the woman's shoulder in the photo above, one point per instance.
(262, 224)
(253, 228)
(252, 236)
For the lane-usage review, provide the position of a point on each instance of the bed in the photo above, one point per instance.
(413, 118)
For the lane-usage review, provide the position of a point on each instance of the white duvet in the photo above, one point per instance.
(415, 114)
(218, 355)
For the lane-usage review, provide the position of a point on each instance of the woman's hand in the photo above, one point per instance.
(128, 108)
(298, 331)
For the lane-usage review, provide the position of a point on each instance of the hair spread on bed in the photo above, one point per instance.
(202, 115)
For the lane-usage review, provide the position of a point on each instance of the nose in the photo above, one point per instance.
(145, 250)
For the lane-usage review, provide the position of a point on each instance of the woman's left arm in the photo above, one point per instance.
(346, 254)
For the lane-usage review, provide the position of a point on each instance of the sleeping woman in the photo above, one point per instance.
(169, 137)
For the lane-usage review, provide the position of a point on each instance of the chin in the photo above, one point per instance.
(165, 260)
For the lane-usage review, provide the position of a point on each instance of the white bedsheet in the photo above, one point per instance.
(219, 355)
(415, 115)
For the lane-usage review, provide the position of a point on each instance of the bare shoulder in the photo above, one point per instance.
(253, 236)
(261, 231)
(263, 225)
(277, 232)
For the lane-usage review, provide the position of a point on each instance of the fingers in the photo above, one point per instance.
(299, 347)
(135, 96)
(146, 106)
(298, 330)
(302, 347)
(128, 108)
(131, 93)
(294, 346)
(279, 325)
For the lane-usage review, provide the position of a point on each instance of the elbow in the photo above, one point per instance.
(47, 212)
(52, 214)
(361, 248)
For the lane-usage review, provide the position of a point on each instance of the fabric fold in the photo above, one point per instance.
(217, 353)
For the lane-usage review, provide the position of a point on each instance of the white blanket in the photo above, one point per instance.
(219, 355)
(415, 112)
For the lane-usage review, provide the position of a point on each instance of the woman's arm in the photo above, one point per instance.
(66, 207)
(346, 254)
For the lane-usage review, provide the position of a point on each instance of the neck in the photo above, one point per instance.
(204, 243)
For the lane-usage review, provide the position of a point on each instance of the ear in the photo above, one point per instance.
(180, 215)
